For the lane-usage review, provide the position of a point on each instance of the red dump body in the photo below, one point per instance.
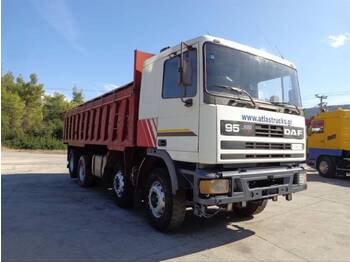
(111, 119)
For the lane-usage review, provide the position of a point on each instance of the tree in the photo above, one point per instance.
(77, 97)
(31, 93)
(12, 108)
(54, 106)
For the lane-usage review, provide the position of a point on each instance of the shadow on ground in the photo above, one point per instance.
(48, 217)
(338, 181)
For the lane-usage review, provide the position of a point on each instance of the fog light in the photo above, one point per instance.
(214, 186)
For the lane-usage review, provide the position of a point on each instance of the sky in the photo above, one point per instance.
(90, 44)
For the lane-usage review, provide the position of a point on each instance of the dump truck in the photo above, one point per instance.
(328, 145)
(208, 125)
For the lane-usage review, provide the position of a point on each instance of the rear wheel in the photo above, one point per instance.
(326, 166)
(252, 208)
(122, 188)
(85, 177)
(72, 163)
(165, 210)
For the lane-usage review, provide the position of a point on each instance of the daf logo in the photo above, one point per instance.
(293, 132)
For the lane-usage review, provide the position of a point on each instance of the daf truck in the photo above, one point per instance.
(208, 125)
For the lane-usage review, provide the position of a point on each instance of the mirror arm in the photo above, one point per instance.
(187, 102)
(181, 69)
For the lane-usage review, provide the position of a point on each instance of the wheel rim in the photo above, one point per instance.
(324, 167)
(71, 163)
(156, 199)
(119, 183)
(81, 171)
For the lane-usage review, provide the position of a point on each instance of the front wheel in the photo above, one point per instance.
(165, 210)
(252, 208)
(122, 189)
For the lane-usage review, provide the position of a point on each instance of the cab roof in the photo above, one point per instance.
(221, 41)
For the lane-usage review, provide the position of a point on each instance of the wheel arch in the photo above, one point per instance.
(157, 158)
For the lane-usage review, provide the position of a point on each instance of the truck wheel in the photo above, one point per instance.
(252, 208)
(122, 189)
(85, 177)
(326, 166)
(72, 163)
(165, 211)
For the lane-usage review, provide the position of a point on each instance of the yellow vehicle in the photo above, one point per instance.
(329, 143)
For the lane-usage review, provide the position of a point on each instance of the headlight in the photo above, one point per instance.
(214, 186)
(297, 146)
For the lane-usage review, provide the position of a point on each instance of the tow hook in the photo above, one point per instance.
(202, 211)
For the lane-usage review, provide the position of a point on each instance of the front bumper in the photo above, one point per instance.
(248, 184)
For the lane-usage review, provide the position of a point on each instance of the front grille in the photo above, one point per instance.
(254, 145)
(268, 130)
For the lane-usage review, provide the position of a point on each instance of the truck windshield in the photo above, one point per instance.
(263, 79)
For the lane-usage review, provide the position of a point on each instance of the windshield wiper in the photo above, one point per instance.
(238, 90)
(286, 103)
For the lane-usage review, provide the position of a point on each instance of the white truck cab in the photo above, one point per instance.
(222, 125)
(230, 118)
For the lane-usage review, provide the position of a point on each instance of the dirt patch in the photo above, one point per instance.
(40, 151)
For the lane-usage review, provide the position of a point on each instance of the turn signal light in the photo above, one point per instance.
(214, 186)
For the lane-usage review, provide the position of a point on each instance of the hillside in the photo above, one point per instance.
(309, 112)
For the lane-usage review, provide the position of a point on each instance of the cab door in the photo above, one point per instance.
(178, 115)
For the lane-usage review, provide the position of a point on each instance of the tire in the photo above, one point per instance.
(72, 163)
(252, 208)
(165, 211)
(122, 188)
(84, 174)
(326, 166)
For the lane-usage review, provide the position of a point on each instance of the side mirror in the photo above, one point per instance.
(185, 69)
(186, 72)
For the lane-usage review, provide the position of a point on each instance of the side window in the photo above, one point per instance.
(171, 86)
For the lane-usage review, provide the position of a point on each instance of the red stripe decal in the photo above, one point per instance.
(150, 129)
(145, 132)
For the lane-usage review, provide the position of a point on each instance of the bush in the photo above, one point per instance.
(34, 142)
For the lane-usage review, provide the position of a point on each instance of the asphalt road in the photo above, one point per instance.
(46, 216)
